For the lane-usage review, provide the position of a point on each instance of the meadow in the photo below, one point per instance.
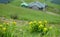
(24, 16)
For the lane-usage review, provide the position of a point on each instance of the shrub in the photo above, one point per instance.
(7, 29)
(39, 26)
(14, 16)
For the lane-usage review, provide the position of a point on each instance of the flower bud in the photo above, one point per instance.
(14, 23)
(45, 22)
(1, 25)
(45, 29)
(40, 22)
(4, 29)
(41, 26)
(30, 22)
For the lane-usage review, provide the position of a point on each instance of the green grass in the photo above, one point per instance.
(18, 2)
(27, 14)
(51, 7)
(52, 33)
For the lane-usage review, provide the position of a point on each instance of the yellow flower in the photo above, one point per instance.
(4, 29)
(40, 22)
(45, 22)
(1, 25)
(7, 23)
(45, 29)
(14, 23)
(30, 22)
(35, 21)
(50, 27)
(41, 26)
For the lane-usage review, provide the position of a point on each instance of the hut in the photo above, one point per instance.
(37, 5)
(24, 4)
(34, 5)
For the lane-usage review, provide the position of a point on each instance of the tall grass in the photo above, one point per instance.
(27, 14)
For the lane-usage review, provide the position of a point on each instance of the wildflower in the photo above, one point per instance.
(14, 23)
(45, 22)
(41, 26)
(35, 21)
(4, 29)
(30, 22)
(50, 27)
(40, 22)
(45, 29)
(1, 25)
(7, 23)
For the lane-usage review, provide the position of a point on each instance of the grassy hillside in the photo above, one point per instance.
(18, 2)
(51, 6)
(27, 14)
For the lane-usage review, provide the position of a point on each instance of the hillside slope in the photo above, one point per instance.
(27, 14)
(51, 6)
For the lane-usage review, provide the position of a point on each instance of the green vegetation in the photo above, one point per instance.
(8, 29)
(13, 10)
(14, 29)
(40, 27)
(51, 6)
(27, 14)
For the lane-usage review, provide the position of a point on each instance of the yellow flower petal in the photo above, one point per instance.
(14, 23)
(30, 22)
(35, 21)
(45, 21)
(7, 23)
(4, 29)
(45, 29)
(41, 26)
(1, 25)
(40, 22)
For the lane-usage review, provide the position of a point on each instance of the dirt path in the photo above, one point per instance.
(53, 13)
(19, 22)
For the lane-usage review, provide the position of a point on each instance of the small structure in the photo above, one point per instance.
(24, 4)
(5, 1)
(34, 5)
(37, 5)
